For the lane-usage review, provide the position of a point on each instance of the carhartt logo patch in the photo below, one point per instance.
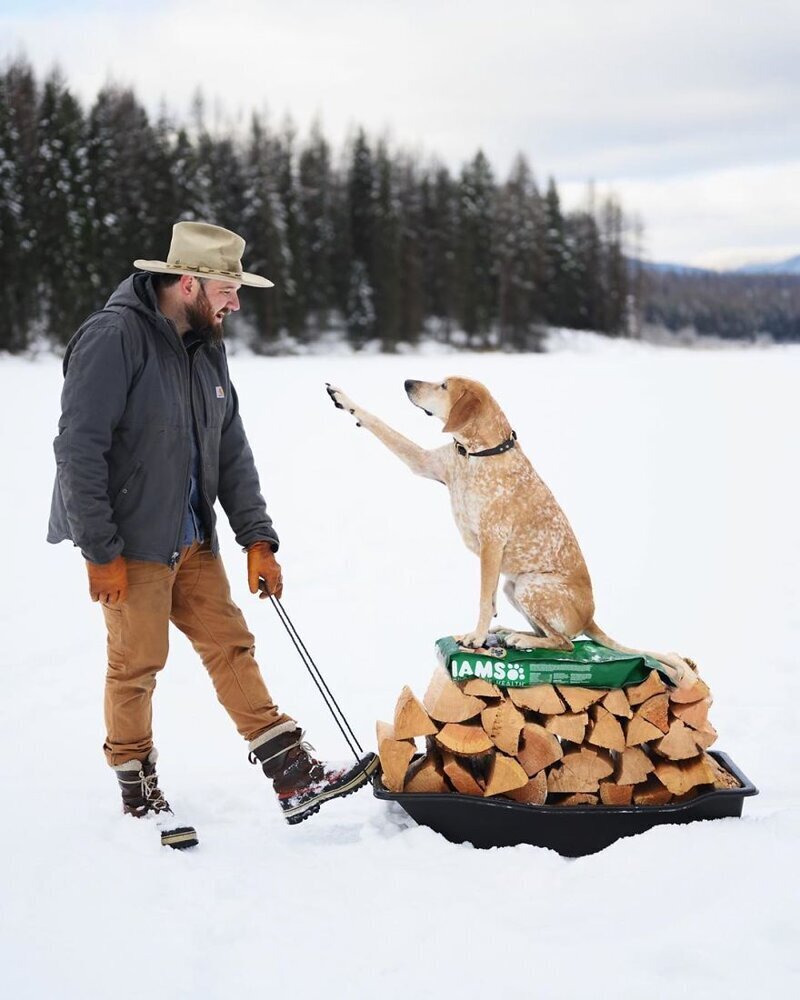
(220, 392)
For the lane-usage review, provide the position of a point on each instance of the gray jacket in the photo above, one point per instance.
(131, 394)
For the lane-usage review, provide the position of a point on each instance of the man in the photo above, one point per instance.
(149, 437)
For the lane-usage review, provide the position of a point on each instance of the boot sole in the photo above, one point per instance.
(300, 812)
(180, 838)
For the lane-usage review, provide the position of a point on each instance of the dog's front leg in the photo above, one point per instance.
(424, 463)
(491, 558)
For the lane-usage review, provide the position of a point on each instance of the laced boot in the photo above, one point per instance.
(301, 782)
(141, 796)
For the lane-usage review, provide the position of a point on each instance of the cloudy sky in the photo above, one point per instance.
(690, 111)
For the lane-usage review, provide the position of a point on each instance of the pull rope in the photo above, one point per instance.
(308, 662)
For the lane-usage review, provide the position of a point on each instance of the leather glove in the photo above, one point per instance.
(263, 571)
(108, 582)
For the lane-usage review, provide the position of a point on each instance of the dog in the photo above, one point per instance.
(507, 516)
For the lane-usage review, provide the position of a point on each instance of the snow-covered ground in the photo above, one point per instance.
(678, 470)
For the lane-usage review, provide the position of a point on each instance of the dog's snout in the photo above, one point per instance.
(410, 383)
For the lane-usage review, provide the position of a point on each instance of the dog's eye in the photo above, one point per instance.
(443, 385)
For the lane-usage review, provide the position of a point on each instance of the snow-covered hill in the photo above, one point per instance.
(678, 470)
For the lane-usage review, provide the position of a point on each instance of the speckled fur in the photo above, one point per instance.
(506, 515)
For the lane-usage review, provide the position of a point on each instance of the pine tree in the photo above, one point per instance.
(361, 316)
(316, 208)
(384, 263)
(475, 250)
(439, 209)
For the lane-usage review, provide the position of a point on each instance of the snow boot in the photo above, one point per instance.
(141, 796)
(301, 782)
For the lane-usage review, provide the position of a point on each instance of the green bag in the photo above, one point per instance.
(588, 665)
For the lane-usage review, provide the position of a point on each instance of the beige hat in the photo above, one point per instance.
(206, 251)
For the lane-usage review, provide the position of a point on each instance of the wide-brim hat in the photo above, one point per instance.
(205, 251)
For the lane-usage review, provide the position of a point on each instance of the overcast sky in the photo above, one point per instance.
(690, 111)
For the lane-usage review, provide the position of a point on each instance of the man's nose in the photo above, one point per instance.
(234, 302)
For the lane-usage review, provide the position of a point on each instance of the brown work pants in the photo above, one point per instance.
(195, 596)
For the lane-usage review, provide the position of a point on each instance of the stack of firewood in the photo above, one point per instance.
(641, 745)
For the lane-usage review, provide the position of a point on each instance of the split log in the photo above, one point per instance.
(617, 703)
(541, 698)
(505, 774)
(578, 799)
(694, 714)
(426, 777)
(446, 702)
(539, 748)
(460, 775)
(722, 777)
(534, 793)
(683, 696)
(395, 756)
(679, 777)
(605, 730)
(706, 736)
(638, 693)
(612, 794)
(580, 771)
(639, 730)
(503, 726)
(656, 711)
(410, 718)
(651, 793)
(680, 743)
(633, 767)
(579, 698)
(568, 726)
(464, 741)
(480, 688)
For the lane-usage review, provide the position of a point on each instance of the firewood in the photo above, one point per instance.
(539, 748)
(679, 743)
(426, 777)
(639, 730)
(464, 741)
(579, 698)
(633, 767)
(605, 730)
(480, 688)
(568, 726)
(612, 794)
(444, 700)
(706, 736)
(395, 756)
(722, 778)
(638, 693)
(694, 714)
(617, 703)
(534, 793)
(505, 774)
(680, 777)
(541, 698)
(460, 775)
(578, 799)
(579, 772)
(683, 696)
(651, 793)
(656, 711)
(410, 718)
(505, 726)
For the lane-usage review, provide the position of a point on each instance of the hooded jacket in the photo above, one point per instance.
(132, 393)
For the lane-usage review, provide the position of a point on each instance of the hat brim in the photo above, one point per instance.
(245, 278)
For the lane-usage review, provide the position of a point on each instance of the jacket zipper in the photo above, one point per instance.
(176, 552)
(197, 440)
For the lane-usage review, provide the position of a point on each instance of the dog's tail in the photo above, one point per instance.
(676, 668)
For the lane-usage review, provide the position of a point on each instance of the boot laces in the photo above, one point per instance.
(151, 793)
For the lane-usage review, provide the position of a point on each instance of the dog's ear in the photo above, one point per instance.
(464, 409)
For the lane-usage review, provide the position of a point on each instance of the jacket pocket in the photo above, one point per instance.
(123, 491)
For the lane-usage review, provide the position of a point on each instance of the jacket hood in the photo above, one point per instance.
(136, 292)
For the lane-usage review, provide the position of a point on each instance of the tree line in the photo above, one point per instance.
(368, 241)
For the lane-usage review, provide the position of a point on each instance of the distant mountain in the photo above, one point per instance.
(790, 266)
(663, 267)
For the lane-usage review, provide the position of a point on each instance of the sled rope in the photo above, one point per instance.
(308, 662)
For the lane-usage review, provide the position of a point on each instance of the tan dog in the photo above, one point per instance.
(506, 516)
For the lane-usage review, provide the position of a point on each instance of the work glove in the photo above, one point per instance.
(108, 582)
(263, 571)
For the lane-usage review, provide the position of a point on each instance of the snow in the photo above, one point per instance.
(678, 472)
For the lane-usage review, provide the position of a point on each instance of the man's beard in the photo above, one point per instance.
(202, 320)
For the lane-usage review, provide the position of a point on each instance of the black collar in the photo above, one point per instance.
(507, 445)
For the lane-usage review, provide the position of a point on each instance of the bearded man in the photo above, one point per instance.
(149, 438)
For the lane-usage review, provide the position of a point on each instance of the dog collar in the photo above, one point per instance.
(507, 445)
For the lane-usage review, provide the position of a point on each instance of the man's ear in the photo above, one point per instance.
(464, 409)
